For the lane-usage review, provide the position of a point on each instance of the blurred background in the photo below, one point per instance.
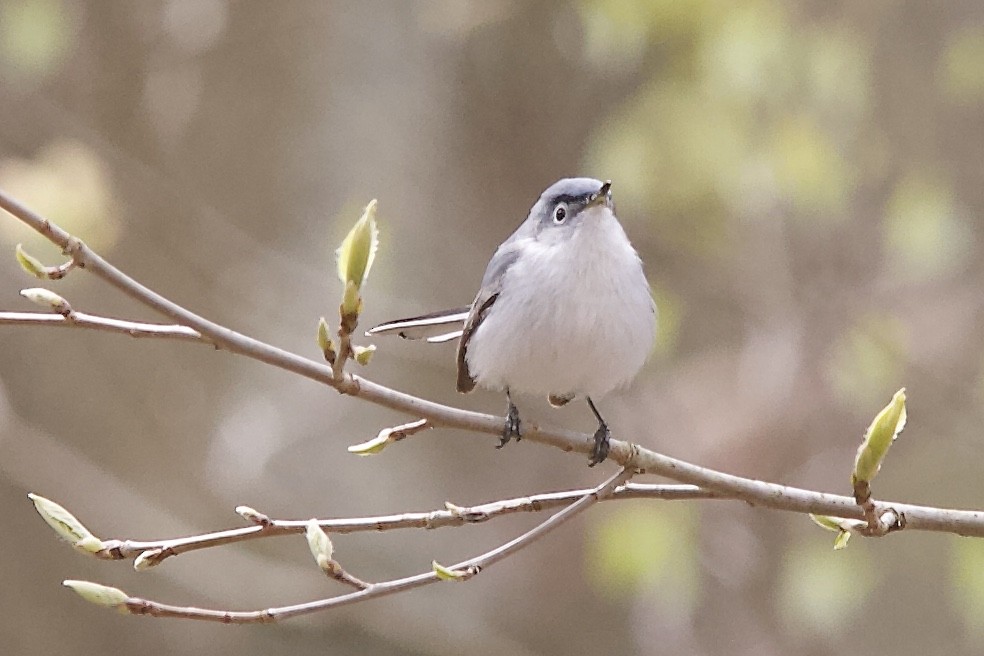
(804, 181)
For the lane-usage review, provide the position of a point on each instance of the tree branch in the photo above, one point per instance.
(632, 456)
(466, 569)
(158, 550)
(861, 514)
(77, 319)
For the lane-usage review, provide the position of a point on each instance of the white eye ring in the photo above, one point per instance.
(560, 214)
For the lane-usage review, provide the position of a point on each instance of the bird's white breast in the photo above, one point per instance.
(573, 316)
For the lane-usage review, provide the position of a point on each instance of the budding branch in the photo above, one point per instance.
(701, 482)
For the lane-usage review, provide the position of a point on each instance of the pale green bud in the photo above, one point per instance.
(102, 595)
(66, 525)
(253, 516)
(325, 342)
(48, 299)
(147, 559)
(351, 302)
(446, 573)
(884, 429)
(29, 263)
(363, 354)
(358, 249)
(319, 543)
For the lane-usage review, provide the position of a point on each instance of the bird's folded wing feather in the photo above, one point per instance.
(435, 327)
(483, 303)
(502, 259)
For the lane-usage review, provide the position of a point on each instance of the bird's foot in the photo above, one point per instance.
(602, 439)
(511, 429)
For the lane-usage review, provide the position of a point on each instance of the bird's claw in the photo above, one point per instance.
(511, 429)
(602, 440)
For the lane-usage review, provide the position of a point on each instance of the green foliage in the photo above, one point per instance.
(808, 167)
(739, 118)
(639, 548)
(618, 32)
(962, 66)
(35, 36)
(820, 590)
(967, 581)
(867, 359)
(68, 180)
(922, 229)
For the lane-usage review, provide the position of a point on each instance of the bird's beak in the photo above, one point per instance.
(601, 197)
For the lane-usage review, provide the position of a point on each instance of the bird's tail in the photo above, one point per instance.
(435, 327)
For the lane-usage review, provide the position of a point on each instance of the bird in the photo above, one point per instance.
(564, 309)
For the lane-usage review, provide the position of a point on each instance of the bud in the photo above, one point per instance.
(358, 249)
(884, 429)
(446, 573)
(324, 336)
(147, 559)
(319, 543)
(373, 446)
(47, 298)
(90, 544)
(253, 516)
(388, 435)
(351, 303)
(363, 354)
(843, 527)
(66, 525)
(29, 263)
(827, 522)
(102, 595)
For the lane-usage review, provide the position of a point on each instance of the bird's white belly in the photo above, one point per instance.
(586, 327)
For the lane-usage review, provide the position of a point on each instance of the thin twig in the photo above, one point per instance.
(83, 320)
(343, 355)
(335, 571)
(471, 566)
(771, 495)
(451, 516)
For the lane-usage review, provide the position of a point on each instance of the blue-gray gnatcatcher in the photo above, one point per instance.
(564, 309)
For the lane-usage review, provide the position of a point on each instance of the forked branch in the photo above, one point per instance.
(463, 570)
(858, 515)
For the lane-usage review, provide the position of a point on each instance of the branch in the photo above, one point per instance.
(465, 569)
(77, 319)
(632, 456)
(153, 552)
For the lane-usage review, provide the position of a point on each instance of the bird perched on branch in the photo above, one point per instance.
(564, 309)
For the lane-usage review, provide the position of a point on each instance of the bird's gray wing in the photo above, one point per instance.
(503, 258)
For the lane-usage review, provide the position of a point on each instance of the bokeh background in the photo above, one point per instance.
(804, 181)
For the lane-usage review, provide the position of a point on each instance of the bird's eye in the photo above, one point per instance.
(560, 214)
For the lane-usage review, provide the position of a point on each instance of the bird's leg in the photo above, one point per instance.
(511, 429)
(602, 437)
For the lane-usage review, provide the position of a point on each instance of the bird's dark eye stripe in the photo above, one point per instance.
(569, 199)
(572, 200)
